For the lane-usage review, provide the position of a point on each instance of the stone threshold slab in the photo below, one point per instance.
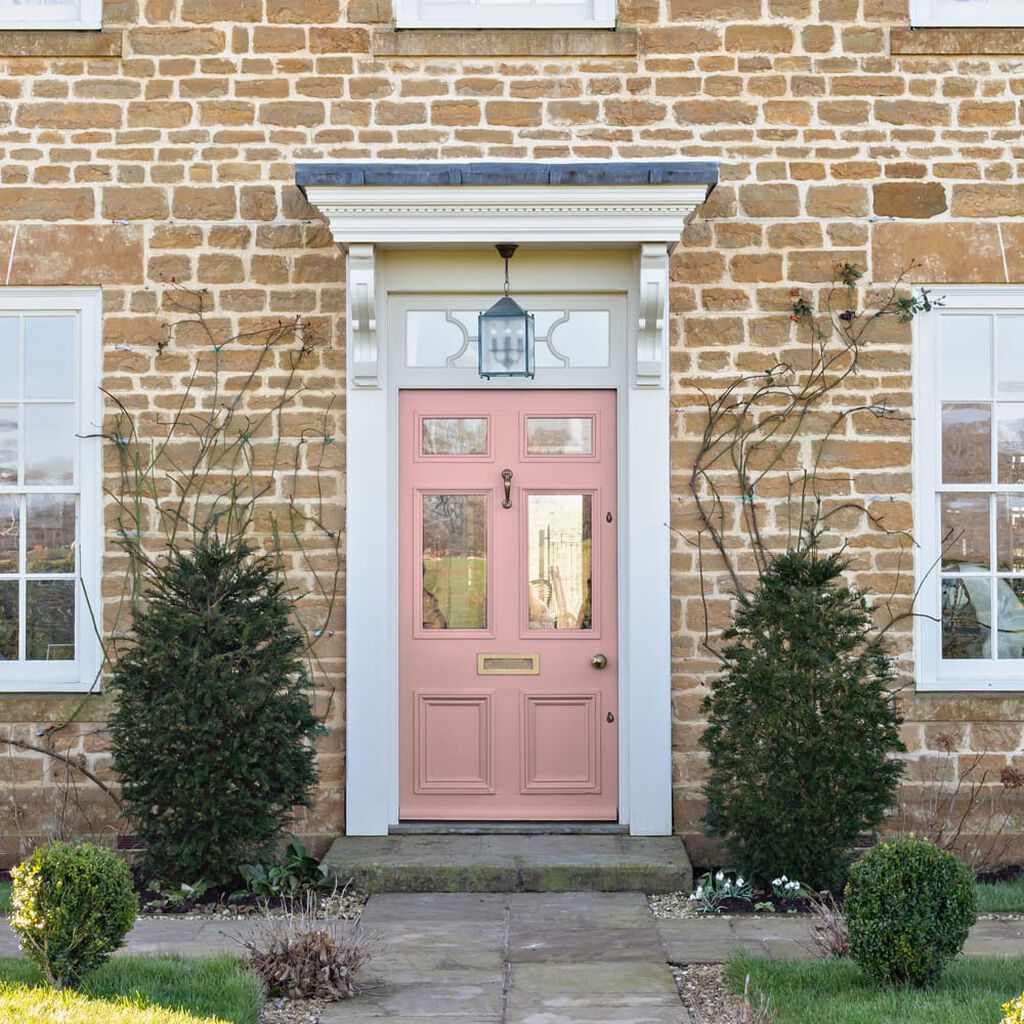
(511, 863)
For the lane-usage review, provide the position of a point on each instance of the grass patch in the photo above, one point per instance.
(5, 897)
(136, 990)
(1001, 897)
(972, 991)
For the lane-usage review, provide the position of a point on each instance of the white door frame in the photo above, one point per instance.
(644, 219)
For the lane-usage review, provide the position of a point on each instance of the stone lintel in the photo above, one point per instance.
(506, 43)
(60, 43)
(957, 41)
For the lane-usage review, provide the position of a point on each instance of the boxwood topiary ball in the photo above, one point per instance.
(909, 907)
(73, 906)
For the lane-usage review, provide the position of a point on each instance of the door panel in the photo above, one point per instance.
(507, 564)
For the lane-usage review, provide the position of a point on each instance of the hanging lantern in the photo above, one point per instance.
(506, 341)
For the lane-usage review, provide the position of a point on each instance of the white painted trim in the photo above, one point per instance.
(462, 214)
(82, 674)
(644, 220)
(90, 17)
(452, 14)
(931, 673)
(966, 13)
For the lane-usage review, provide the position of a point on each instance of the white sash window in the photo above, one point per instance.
(50, 488)
(969, 481)
(503, 14)
(967, 13)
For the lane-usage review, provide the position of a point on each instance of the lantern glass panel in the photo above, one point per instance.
(506, 340)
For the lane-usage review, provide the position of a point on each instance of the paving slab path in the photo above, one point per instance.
(527, 958)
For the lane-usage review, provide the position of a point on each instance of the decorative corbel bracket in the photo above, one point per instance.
(651, 347)
(364, 369)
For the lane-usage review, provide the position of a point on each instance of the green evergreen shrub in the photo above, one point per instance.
(73, 905)
(212, 729)
(801, 725)
(909, 906)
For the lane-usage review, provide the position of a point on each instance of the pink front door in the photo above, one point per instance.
(508, 660)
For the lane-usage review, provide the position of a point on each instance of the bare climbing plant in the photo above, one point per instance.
(245, 450)
(759, 481)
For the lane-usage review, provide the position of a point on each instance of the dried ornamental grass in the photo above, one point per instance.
(304, 956)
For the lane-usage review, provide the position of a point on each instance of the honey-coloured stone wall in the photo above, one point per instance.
(160, 153)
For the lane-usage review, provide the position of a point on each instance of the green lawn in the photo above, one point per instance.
(5, 897)
(1001, 897)
(972, 991)
(136, 990)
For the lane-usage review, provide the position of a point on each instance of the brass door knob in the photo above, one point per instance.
(599, 661)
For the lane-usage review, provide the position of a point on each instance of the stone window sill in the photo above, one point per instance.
(505, 43)
(965, 42)
(60, 43)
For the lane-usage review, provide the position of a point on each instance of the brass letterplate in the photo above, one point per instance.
(507, 664)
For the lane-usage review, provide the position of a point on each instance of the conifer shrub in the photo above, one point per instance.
(801, 725)
(212, 728)
(909, 907)
(73, 905)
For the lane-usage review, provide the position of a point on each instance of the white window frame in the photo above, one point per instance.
(932, 673)
(966, 13)
(90, 17)
(456, 14)
(80, 675)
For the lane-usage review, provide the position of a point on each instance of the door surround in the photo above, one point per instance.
(639, 217)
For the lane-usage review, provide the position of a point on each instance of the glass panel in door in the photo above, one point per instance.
(454, 561)
(559, 532)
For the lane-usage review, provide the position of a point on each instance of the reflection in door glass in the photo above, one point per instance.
(454, 561)
(560, 547)
(549, 435)
(454, 435)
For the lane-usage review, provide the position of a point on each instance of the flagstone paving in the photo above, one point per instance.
(527, 958)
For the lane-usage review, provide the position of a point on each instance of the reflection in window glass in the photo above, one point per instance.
(8, 444)
(8, 620)
(10, 357)
(966, 618)
(965, 358)
(966, 443)
(50, 533)
(1010, 617)
(50, 357)
(50, 620)
(1010, 533)
(460, 435)
(454, 561)
(965, 531)
(559, 436)
(49, 444)
(1010, 439)
(10, 513)
(560, 551)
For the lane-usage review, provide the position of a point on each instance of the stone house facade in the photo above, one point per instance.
(210, 144)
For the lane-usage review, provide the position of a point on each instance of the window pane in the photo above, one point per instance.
(50, 620)
(1010, 434)
(9, 532)
(560, 547)
(1010, 533)
(966, 357)
(454, 561)
(569, 436)
(10, 370)
(455, 436)
(966, 618)
(49, 444)
(436, 338)
(50, 533)
(1010, 357)
(1010, 612)
(8, 620)
(964, 531)
(581, 340)
(50, 357)
(966, 443)
(8, 444)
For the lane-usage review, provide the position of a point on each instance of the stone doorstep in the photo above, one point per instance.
(512, 863)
